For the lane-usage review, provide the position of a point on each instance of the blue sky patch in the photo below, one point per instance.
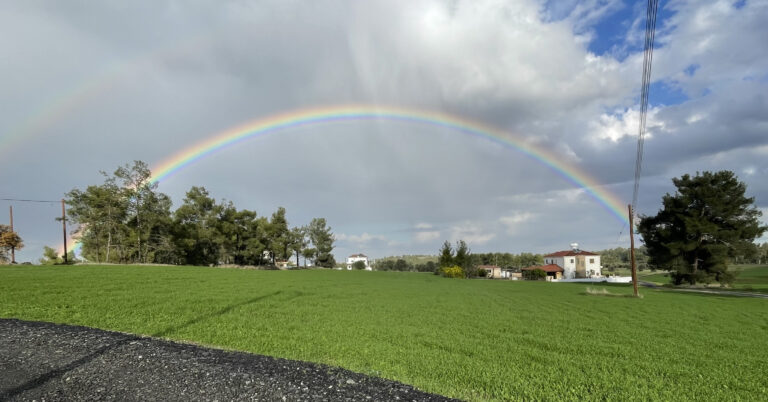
(611, 32)
(662, 93)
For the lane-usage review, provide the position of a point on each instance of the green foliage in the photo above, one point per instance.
(463, 339)
(618, 259)
(508, 260)
(322, 239)
(707, 222)
(535, 274)
(452, 272)
(9, 240)
(50, 256)
(446, 255)
(125, 220)
(358, 265)
(411, 263)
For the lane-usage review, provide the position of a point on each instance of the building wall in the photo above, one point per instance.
(569, 265)
(594, 265)
(352, 260)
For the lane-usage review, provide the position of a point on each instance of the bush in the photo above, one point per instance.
(453, 272)
(535, 275)
(359, 265)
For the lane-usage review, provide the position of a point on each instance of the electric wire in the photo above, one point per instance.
(650, 33)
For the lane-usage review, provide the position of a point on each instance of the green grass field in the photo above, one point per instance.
(472, 339)
(750, 277)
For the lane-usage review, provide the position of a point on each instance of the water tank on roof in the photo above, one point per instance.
(574, 246)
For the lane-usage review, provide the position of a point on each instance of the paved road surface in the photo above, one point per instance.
(43, 361)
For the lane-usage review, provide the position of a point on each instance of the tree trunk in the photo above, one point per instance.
(109, 243)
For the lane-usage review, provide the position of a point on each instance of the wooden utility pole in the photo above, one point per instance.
(64, 228)
(632, 249)
(13, 249)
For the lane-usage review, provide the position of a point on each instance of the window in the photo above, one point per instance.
(591, 260)
(571, 260)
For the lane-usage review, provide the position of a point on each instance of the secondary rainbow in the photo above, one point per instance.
(328, 115)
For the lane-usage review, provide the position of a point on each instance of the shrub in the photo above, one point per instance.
(453, 272)
(535, 274)
(359, 265)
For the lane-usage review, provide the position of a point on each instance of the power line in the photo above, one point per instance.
(650, 33)
(22, 200)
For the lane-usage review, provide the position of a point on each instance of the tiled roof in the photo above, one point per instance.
(358, 255)
(570, 253)
(545, 268)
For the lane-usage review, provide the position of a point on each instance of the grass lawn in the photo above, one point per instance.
(750, 277)
(472, 339)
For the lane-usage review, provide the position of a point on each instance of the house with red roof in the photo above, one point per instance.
(553, 271)
(574, 263)
(358, 257)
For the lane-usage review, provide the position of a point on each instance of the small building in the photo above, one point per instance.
(512, 275)
(575, 263)
(553, 271)
(491, 271)
(358, 257)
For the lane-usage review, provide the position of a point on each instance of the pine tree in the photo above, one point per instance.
(708, 221)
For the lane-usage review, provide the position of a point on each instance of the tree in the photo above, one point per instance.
(359, 265)
(100, 214)
(705, 223)
(463, 258)
(144, 206)
(279, 236)
(124, 219)
(401, 265)
(298, 241)
(535, 274)
(195, 228)
(322, 239)
(50, 256)
(446, 255)
(9, 241)
(309, 253)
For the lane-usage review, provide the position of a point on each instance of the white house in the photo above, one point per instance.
(358, 257)
(576, 263)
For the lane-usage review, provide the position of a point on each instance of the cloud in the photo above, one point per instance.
(472, 233)
(149, 79)
(426, 236)
(514, 221)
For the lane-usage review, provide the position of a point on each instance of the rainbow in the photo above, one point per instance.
(325, 115)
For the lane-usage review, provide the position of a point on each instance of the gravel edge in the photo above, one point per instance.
(46, 361)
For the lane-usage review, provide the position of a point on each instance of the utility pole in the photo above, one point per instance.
(13, 249)
(632, 249)
(64, 228)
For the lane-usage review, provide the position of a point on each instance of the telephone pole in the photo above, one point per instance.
(64, 228)
(632, 249)
(13, 249)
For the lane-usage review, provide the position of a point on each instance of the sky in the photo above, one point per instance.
(90, 86)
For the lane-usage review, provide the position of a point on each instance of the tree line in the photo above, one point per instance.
(126, 220)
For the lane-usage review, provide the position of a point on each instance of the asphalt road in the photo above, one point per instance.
(49, 362)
